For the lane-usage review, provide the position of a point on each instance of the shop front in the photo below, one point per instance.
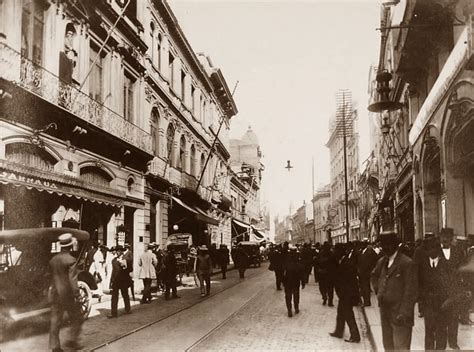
(31, 198)
(186, 218)
(240, 231)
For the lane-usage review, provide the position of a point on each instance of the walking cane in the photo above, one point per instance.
(133, 290)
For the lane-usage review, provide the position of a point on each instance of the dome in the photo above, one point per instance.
(250, 137)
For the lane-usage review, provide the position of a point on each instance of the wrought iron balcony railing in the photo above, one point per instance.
(39, 81)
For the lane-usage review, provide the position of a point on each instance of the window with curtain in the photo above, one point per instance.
(95, 78)
(155, 122)
(128, 90)
(169, 142)
(182, 154)
(193, 160)
(32, 28)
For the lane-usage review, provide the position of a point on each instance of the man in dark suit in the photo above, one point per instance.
(241, 260)
(365, 265)
(434, 290)
(395, 282)
(170, 272)
(276, 264)
(293, 276)
(119, 281)
(347, 290)
(64, 290)
(325, 269)
(454, 257)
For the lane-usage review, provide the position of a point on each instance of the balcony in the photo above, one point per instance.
(39, 81)
(188, 181)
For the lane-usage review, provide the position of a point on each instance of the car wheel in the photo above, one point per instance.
(84, 299)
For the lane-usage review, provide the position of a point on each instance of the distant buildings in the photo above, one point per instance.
(321, 205)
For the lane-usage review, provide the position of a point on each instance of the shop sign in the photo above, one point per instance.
(121, 238)
(13, 176)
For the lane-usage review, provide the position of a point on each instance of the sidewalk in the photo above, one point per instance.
(372, 316)
(98, 330)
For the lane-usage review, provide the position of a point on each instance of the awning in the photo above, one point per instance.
(240, 224)
(197, 212)
(202, 216)
(258, 233)
(45, 181)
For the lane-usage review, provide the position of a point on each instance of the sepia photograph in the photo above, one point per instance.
(236, 175)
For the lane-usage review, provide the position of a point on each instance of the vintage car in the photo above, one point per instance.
(252, 249)
(24, 272)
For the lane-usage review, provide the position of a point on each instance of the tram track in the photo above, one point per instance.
(226, 320)
(176, 312)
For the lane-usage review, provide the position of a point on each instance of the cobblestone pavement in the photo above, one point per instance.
(248, 317)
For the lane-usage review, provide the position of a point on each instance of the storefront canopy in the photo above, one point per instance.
(26, 176)
(198, 213)
(241, 225)
(258, 233)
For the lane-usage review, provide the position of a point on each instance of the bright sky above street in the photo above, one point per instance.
(289, 57)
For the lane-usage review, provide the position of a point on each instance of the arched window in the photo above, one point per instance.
(169, 142)
(201, 168)
(159, 39)
(182, 154)
(95, 175)
(155, 123)
(193, 160)
(29, 154)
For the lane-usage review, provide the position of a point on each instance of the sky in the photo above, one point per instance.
(290, 58)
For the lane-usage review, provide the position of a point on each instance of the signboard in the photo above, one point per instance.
(121, 238)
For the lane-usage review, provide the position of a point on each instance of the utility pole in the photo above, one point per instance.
(344, 106)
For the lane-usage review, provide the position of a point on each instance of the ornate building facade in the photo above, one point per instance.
(109, 122)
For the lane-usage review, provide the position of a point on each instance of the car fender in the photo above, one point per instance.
(88, 279)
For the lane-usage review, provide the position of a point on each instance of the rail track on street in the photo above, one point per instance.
(249, 276)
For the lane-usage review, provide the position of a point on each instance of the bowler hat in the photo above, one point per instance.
(428, 235)
(447, 231)
(388, 236)
(66, 240)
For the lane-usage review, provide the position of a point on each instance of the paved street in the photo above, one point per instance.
(251, 314)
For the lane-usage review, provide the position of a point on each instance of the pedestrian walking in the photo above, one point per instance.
(241, 260)
(307, 260)
(395, 282)
(203, 269)
(170, 270)
(454, 257)
(97, 269)
(326, 272)
(434, 283)
(64, 290)
(293, 277)
(147, 263)
(276, 265)
(347, 291)
(128, 257)
(365, 265)
(223, 256)
(120, 281)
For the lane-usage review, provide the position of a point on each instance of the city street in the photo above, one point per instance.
(251, 315)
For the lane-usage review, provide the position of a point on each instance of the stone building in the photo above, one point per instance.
(321, 204)
(246, 164)
(336, 155)
(107, 119)
(431, 80)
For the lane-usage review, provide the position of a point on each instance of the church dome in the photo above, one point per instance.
(250, 136)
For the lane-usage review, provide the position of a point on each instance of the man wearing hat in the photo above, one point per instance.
(394, 280)
(147, 264)
(365, 264)
(454, 257)
(203, 269)
(293, 277)
(119, 281)
(64, 290)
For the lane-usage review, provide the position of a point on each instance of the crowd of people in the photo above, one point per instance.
(433, 272)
